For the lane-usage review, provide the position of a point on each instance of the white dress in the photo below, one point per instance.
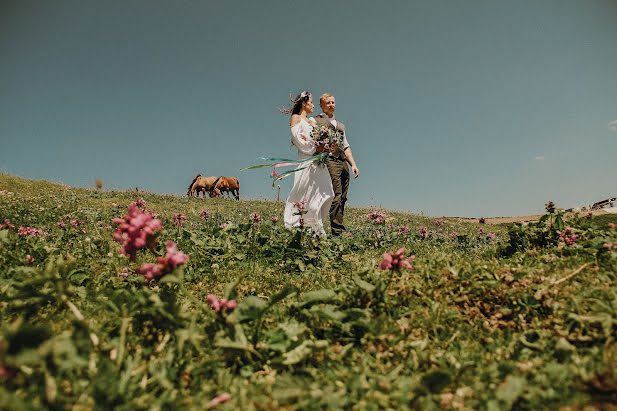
(313, 184)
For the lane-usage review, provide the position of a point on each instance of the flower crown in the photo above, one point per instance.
(305, 94)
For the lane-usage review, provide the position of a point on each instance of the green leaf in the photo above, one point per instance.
(312, 297)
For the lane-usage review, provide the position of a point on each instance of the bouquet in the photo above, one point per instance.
(326, 137)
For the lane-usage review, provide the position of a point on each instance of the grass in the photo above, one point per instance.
(521, 320)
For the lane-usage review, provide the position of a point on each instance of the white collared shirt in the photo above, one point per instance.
(334, 123)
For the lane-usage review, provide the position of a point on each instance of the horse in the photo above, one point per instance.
(230, 185)
(202, 184)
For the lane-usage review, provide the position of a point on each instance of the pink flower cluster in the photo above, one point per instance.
(394, 261)
(124, 273)
(568, 236)
(31, 231)
(217, 304)
(256, 218)
(300, 206)
(403, 229)
(7, 225)
(141, 203)
(490, 236)
(166, 265)
(205, 214)
(454, 234)
(376, 217)
(179, 219)
(611, 225)
(610, 246)
(549, 207)
(438, 222)
(423, 232)
(136, 230)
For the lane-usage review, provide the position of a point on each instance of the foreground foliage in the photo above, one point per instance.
(261, 317)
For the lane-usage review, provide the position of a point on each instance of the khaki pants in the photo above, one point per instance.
(339, 173)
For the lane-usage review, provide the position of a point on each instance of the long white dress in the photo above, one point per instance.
(313, 184)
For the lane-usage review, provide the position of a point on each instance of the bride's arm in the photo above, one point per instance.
(304, 143)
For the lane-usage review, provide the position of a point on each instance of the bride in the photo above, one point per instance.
(309, 201)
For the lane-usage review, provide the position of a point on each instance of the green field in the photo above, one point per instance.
(490, 317)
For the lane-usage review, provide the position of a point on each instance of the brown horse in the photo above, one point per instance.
(230, 185)
(202, 184)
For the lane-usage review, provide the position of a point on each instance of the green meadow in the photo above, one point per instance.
(492, 317)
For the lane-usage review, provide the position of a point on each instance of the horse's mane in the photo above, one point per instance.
(192, 182)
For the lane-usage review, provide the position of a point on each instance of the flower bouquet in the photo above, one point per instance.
(326, 138)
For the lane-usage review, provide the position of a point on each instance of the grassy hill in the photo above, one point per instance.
(489, 317)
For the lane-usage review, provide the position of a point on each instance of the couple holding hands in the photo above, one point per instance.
(320, 188)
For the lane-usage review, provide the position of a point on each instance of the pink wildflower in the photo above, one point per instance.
(549, 207)
(60, 224)
(124, 273)
(256, 218)
(136, 230)
(300, 205)
(174, 256)
(568, 236)
(7, 225)
(613, 226)
(490, 236)
(219, 399)
(31, 231)
(205, 214)
(224, 225)
(589, 215)
(394, 261)
(141, 203)
(217, 304)
(423, 233)
(179, 219)
(403, 229)
(610, 246)
(454, 234)
(376, 217)
(29, 259)
(481, 231)
(438, 222)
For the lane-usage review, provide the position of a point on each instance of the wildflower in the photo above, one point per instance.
(490, 236)
(612, 225)
(423, 233)
(224, 225)
(256, 218)
(217, 305)
(568, 236)
(376, 217)
(205, 214)
(124, 273)
(610, 246)
(589, 215)
(141, 203)
(300, 205)
(7, 225)
(219, 399)
(403, 229)
(31, 231)
(29, 259)
(438, 222)
(136, 230)
(174, 256)
(394, 261)
(549, 207)
(179, 219)
(454, 234)
(166, 265)
(481, 231)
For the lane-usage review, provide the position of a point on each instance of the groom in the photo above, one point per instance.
(337, 163)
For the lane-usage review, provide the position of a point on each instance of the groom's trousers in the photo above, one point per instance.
(339, 173)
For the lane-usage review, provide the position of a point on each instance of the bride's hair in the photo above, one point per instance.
(297, 103)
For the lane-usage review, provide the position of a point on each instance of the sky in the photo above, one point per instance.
(474, 108)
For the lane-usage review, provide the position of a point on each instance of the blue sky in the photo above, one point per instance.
(474, 108)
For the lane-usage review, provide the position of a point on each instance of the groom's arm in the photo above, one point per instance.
(352, 162)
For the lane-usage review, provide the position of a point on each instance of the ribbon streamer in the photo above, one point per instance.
(284, 162)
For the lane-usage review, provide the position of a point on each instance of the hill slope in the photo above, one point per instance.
(259, 316)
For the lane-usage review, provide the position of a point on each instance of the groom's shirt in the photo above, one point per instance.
(334, 123)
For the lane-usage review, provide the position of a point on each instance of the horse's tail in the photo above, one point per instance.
(238, 186)
(188, 193)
